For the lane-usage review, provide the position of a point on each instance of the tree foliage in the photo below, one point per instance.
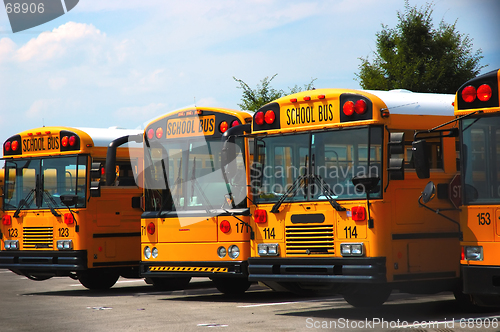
(416, 56)
(253, 99)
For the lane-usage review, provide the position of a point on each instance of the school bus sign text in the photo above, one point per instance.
(191, 126)
(40, 144)
(307, 115)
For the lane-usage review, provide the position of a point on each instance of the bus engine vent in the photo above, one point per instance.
(310, 240)
(38, 237)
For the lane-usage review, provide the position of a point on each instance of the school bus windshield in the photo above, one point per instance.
(334, 157)
(194, 178)
(38, 183)
(481, 147)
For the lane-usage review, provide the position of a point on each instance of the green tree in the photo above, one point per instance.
(416, 56)
(253, 99)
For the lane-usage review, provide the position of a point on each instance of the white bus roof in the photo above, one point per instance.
(407, 102)
(104, 136)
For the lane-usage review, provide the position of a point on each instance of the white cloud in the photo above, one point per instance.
(154, 78)
(141, 112)
(56, 83)
(208, 102)
(7, 48)
(43, 108)
(55, 44)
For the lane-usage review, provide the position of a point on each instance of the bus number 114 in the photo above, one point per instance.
(350, 233)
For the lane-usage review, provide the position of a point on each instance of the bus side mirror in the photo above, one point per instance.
(257, 167)
(421, 159)
(367, 184)
(69, 200)
(396, 167)
(95, 171)
(95, 188)
(429, 192)
(228, 155)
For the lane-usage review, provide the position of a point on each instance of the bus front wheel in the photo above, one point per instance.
(98, 279)
(367, 295)
(232, 286)
(37, 277)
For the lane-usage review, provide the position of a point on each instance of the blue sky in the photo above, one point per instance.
(123, 62)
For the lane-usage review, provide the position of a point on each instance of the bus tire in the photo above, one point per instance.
(169, 284)
(476, 303)
(232, 286)
(367, 295)
(37, 277)
(98, 279)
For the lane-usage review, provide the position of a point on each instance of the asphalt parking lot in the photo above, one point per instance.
(62, 304)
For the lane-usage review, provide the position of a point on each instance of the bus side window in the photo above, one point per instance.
(125, 176)
(434, 151)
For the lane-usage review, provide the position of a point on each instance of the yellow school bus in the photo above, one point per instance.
(335, 195)
(2, 172)
(58, 217)
(195, 223)
(478, 111)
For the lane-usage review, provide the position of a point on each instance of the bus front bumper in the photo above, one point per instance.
(43, 261)
(318, 270)
(194, 269)
(481, 280)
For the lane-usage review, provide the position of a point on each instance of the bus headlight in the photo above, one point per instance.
(221, 252)
(147, 252)
(268, 249)
(474, 253)
(233, 251)
(64, 244)
(352, 249)
(11, 244)
(154, 252)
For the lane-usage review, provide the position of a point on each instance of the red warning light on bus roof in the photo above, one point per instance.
(484, 92)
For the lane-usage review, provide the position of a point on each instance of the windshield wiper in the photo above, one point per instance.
(47, 197)
(306, 179)
(292, 189)
(325, 189)
(23, 202)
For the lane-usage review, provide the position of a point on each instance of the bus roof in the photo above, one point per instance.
(103, 136)
(407, 102)
(397, 101)
(237, 113)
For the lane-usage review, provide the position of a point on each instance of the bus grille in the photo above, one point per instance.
(309, 240)
(37, 237)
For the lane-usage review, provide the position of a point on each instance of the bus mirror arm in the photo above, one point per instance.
(228, 153)
(252, 234)
(426, 196)
(235, 131)
(452, 132)
(368, 184)
(110, 168)
(68, 200)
